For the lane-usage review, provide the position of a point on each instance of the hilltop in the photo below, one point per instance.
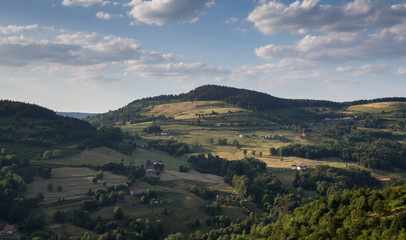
(240, 98)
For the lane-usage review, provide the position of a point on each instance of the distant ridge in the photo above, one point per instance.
(78, 115)
(243, 98)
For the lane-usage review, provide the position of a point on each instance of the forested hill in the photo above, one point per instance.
(35, 126)
(24, 110)
(242, 98)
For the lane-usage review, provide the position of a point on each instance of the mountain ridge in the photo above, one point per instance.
(243, 98)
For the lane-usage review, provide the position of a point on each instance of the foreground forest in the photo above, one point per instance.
(214, 163)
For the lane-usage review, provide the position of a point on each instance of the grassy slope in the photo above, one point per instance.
(199, 135)
(375, 108)
(93, 157)
(75, 183)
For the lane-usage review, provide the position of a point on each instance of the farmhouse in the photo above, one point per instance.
(158, 162)
(165, 133)
(154, 201)
(151, 170)
(242, 136)
(9, 229)
(138, 192)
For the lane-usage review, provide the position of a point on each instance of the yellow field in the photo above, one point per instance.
(187, 110)
(75, 183)
(378, 107)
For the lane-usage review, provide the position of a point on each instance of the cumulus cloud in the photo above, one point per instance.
(387, 43)
(160, 12)
(69, 49)
(309, 15)
(104, 15)
(14, 29)
(90, 58)
(83, 3)
(364, 70)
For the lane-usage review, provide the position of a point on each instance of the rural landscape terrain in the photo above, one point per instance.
(214, 163)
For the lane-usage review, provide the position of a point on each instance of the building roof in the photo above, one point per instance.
(9, 228)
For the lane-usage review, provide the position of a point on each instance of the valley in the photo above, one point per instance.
(188, 167)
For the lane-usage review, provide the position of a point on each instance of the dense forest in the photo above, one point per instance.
(355, 214)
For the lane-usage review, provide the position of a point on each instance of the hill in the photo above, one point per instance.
(29, 130)
(78, 115)
(241, 98)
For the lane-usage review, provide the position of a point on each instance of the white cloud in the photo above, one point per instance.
(309, 15)
(83, 3)
(74, 49)
(78, 38)
(14, 29)
(231, 20)
(401, 71)
(387, 43)
(178, 71)
(104, 15)
(160, 12)
(364, 70)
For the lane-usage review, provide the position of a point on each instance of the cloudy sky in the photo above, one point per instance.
(97, 55)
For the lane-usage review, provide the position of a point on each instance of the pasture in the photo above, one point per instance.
(189, 110)
(378, 108)
(75, 183)
(93, 157)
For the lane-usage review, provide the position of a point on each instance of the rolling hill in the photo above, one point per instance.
(140, 110)
(28, 129)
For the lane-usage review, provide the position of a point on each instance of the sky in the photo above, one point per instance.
(98, 55)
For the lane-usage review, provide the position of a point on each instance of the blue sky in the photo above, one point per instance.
(97, 55)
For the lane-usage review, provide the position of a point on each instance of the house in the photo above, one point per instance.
(158, 162)
(302, 167)
(145, 145)
(9, 229)
(242, 136)
(220, 196)
(303, 135)
(138, 192)
(165, 134)
(151, 170)
(154, 201)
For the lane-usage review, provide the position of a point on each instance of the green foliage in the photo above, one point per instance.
(380, 153)
(327, 180)
(183, 168)
(59, 216)
(222, 141)
(118, 213)
(170, 146)
(50, 187)
(152, 129)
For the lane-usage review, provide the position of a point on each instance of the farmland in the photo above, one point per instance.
(75, 183)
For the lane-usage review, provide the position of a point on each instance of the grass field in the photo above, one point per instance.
(75, 182)
(171, 163)
(188, 110)
(378, 107)
(93, 157)
(180, 205)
